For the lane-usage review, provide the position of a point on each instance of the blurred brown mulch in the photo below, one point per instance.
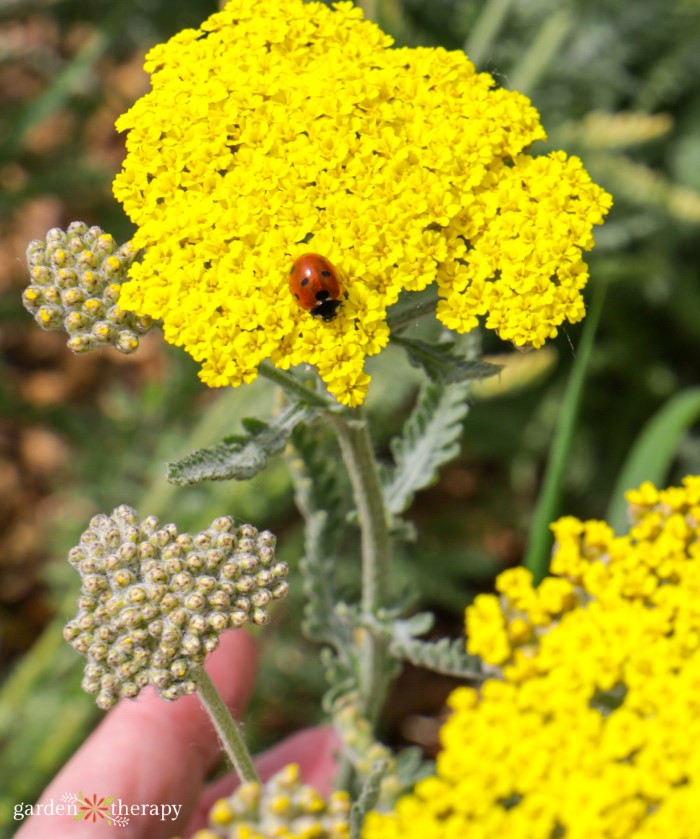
(39, 377)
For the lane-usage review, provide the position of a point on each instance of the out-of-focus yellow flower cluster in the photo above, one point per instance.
(281, 808)
(592, 729)
(280, 128)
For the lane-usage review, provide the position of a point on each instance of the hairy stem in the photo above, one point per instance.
(358, 455)
(227, 728)
(289, 383)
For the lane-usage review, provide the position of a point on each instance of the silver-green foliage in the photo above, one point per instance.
(430, 439)
(240, 457)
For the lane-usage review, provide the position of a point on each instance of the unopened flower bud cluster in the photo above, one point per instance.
(362, 748)
(154, 602)
(75, 278)
(282, 807)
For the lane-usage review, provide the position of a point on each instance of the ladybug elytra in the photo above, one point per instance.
(315, 285)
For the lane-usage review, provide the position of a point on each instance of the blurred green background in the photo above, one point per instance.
(616, 84)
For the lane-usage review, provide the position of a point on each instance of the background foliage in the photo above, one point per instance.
(615, 84)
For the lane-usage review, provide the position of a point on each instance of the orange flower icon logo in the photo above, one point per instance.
(94, 808)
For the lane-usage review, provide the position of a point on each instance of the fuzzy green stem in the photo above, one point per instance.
(358, 455)
(292, 385)
(227, 728)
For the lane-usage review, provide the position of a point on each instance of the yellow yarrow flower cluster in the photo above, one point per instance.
(282, 127)
(281, 808)
(591, 730)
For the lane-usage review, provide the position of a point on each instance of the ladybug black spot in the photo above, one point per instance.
(305, 281)
(326, 274)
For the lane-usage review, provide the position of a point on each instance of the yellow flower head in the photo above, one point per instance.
(591, 729)
(280, 128)
(283, 807)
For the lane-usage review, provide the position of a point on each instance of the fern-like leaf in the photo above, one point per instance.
(443, 362)
(241, 456)
(430, 439)
(320, 499)
(316, 485)
(446, 656)
(368, 797)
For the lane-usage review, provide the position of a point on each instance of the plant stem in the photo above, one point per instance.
(227, 728)
(292, 385)
(358, 454)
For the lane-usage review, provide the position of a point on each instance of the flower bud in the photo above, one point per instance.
(154, 602)
(75, 277)
(282, 806)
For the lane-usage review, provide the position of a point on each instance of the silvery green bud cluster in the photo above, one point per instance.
(283, 806)
(154, 602)
(359, 741)
(75, 276)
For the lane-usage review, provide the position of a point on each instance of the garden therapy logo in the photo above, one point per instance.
(94, 809)
(97, 809)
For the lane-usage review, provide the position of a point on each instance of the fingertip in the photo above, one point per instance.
(314, 750)
(152, 750)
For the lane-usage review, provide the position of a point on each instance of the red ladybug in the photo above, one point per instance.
(315, 285)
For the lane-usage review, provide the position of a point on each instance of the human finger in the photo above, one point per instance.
(149, 756)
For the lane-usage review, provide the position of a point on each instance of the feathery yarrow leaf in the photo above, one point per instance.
(240, 456)
(368, 797)
(446, 656)
(443, 362)
(430, 439)
(316, 483)
(320, 500)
